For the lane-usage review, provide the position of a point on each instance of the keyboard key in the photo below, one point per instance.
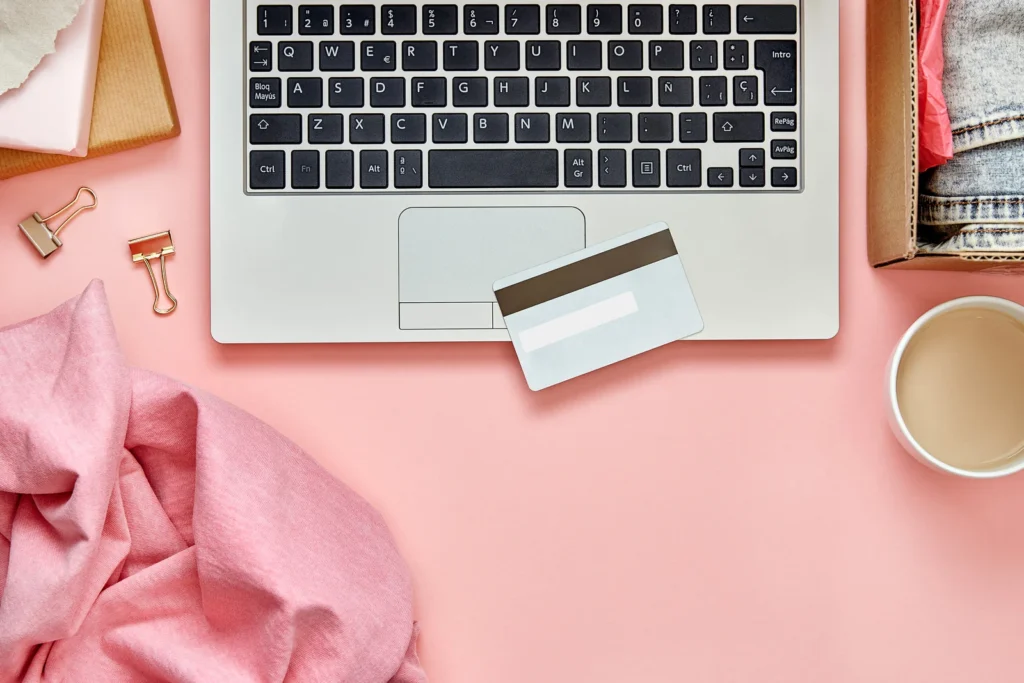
(625, 55)
(305, 169)
(645, 19)
(675, 91)
(783, 177)
(783, 149)
(325, 129)
(266, 170)
(366, 129)
(533, 128)
(564, 19)
(316, 20)
(682, 168)
(717, 19)
(461, 55)
(387, 92)
(511, 92)
(419, 55)
(398, 20)
(490, 128)
(646, 168)
(469, 92)
(492, 168)
(751, 177)
(611, 168)
(337, 56)
(751, 158)
(378, 56)
(294, 56)
(551, 92)
(543, 55)
(572, 127)
(604, 20)
(501, 55)
(713, 91)
(408, 168)
(373, 169)
(739, 127)
(449, 128)
(777, 59)
(440, 19)
(744, 91)
(666, 55)
(409, 128)
(480, 20)
(655, 128)
(274, 20)
(579, 168)
(358, 20)
(305, 93)
(682, 20)
(522, 19)
(264, 93)
(584, 55)
(720, 177)
(275, 129)
(345, 92)
(261, 55)
(703, 55)
(635, 91)
(693, 127)
(737, 54)
(783, 121)
(615, 128)
(429, 92)
(594, 91)
(766, 19)
(339, 175)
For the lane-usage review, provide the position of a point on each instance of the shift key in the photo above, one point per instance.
(739, 127)
(275, 129)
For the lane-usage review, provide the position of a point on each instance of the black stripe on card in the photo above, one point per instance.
(589, 271)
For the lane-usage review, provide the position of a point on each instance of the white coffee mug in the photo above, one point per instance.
(896, 421)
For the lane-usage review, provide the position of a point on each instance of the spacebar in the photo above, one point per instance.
(484, 168)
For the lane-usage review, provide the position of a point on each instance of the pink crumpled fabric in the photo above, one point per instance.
(935, 131)
(149, 532)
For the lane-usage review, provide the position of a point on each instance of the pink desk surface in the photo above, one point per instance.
(709, 512)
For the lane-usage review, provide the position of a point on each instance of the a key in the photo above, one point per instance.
(666, 55)
(713, 91)
(305, 169)
(492, 168)
(274, 20)
(594, 91)
(264, 93)
(777, 59)
(440, 19)
(533, 127)
(316, 20)
(337, 56)
(261, 56)
(625, 55)
(751, 177)
(572, 127)
(408, 168)
(511, 92)
(737, 53)
(703, 55)
(551, 91)
(739, 127)
(655, 128)
(720, 176)
(584, 55)
(429, 92)
(611, 168)
(675, 91)
(783, 121)
(378, 56)
(408, 128)
(780, 19)
(490, 128)
(469, 92)
(744, 91)
(682, 20)
(683, 168)
(449, 128)
(693, 127)
(339, 173)
(387, 92)
(325, 129)
(366, 129)
(579, 168)
(461, 55)
(635, 91)
(604, 19)
(522, 19)
(373, 169)
(266, 170)
(783, 149)
(398, 20)
(783, 176)
(480, 19)
(419, 55)
(751, 157)
(305, 93)
(645, 19)
(646, 168)
(294, 56)
(345, 92)
(501, 55)
(564, 19)
(615, 128)
(543, 55)
(275, 129)
(717, 19)
(358, 20)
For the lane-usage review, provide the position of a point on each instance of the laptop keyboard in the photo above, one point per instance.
(592, 97)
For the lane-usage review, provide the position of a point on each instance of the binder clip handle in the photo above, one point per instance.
(83, 207)
(148, 248)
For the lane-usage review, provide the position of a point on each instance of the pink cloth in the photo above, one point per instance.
(936, 133)
(149, 532)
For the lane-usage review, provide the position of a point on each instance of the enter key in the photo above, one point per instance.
(777, 59)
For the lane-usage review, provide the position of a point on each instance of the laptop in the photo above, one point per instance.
(375, 168)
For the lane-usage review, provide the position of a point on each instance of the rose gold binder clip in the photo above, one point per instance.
(148, 248)
(45, 240)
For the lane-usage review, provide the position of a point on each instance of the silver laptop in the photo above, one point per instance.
(375, 168)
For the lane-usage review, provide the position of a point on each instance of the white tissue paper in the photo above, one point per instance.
(28, 31)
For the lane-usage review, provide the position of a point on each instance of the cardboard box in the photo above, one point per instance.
(893, 180)
(133, 105)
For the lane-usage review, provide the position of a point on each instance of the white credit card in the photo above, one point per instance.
(598, 306)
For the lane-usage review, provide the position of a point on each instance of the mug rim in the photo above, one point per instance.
(990, 302)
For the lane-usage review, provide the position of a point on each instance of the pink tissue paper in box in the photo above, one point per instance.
(52, 111)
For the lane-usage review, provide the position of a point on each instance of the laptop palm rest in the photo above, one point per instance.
(449, 259)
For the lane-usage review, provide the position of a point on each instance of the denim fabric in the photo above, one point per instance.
(976, 200)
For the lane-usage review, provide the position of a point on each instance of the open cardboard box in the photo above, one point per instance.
(893, 182)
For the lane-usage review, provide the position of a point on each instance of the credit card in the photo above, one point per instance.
(598, 306)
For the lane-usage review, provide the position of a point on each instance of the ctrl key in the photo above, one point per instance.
(266, 170)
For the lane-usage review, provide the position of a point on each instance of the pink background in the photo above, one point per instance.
(708, 512)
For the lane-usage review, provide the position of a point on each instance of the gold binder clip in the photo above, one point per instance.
(146, 249)
(46, 241)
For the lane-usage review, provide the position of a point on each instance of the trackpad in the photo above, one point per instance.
(449, 259)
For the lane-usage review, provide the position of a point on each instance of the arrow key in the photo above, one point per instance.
(751, 177)
(719, 177)
(783, 177)
(751, 158)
